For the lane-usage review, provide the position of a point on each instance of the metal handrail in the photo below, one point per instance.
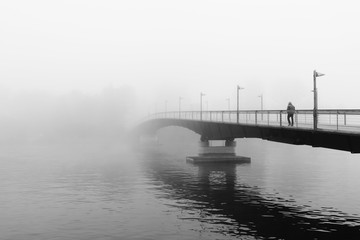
(328, 119)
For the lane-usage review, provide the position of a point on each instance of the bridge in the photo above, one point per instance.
(335, 129)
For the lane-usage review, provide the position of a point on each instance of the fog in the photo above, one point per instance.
(39, 116)
(90, 68)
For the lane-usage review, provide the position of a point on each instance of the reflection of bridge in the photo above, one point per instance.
(214, 194)
(336, 129)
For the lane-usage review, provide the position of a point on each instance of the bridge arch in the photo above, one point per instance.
(208, 130)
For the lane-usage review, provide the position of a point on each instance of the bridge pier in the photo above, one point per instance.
(209, 152)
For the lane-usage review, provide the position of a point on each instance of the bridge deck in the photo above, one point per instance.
(337, 129)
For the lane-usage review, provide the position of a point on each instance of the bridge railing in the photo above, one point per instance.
(336, 120)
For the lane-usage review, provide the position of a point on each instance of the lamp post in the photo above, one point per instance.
(201, 95)
(262, 106)
(237, 110)
(315, 75)
(261, 98)
(180, 98)
(228, 101)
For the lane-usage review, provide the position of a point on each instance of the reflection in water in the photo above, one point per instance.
(215, 195)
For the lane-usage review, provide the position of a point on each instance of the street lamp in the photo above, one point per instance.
(262, 106)
(180, 98)
(261, 97)
(201, 95)
(237, 110)
(228, 101)
(315, 75)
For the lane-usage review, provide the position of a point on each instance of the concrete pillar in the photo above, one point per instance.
(221, 153)
(228, 149)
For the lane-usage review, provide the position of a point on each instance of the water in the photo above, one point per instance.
(106, 191)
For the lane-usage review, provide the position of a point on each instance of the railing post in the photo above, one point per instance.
(268, 115)
(255, 117)
(337, 120)
(280, 119)
(222, 116)
(345, 119)
(296, 118)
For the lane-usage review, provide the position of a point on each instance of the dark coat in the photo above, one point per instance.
(290, 109)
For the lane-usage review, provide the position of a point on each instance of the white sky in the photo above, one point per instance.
(165, 49)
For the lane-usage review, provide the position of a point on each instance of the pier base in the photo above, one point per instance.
(223, 153)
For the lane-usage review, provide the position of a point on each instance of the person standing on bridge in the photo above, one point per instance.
(290, 111)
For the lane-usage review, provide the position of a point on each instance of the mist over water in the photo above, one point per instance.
(35, 116)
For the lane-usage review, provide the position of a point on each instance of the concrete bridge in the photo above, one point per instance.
(335, 129)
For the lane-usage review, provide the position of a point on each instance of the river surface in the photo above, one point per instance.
(108, 191)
